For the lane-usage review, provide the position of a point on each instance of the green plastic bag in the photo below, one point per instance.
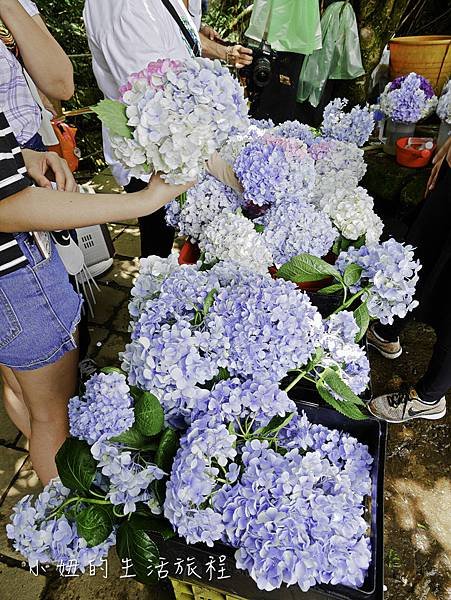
(339, 57)
(294, 25)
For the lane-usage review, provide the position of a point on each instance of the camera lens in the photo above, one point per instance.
(262, 71)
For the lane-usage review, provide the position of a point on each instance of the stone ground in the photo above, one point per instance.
(417, 486)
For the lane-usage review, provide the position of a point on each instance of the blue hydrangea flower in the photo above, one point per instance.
(128, 481)
(294, 517)
(105, 411)
(267, 326)
(294, 227)
(55, 540)
(204, 452)
(295, 129)
(342, 351)
(271, 167)
(355, 126)
(258, 398)
(392, 272)
(204, 202)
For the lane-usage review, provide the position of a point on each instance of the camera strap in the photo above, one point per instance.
(192, 40)
(268, 23)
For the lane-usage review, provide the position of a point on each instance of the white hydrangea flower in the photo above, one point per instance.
(129, 153)
(232, 237)
(352, 212)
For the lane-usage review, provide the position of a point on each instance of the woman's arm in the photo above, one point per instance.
(235, 56)
(37, 209)
(44, 59)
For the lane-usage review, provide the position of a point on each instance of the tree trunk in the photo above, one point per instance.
(377, 20)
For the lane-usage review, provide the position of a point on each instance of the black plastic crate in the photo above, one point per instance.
(371, 432)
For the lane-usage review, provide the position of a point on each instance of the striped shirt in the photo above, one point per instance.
(16, 99)
(12, 180)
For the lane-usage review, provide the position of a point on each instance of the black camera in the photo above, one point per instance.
(261, 69)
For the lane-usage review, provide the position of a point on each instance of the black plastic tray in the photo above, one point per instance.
(371, 432)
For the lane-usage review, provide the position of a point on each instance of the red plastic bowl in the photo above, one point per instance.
(411, 157)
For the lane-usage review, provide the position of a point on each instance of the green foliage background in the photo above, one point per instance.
(64, 20)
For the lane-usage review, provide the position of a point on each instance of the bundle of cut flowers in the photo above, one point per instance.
(408, 99)
(288, 495)
(444, 104)
(204, 323)
(209, 324)
(172, 116)
(249, 471)
(111, 473)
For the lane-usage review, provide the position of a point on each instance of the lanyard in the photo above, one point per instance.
(190, 38)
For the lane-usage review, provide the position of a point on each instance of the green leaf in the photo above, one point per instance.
(349, 410)
(362, 318)
(132, 438)
(76, 466)
(167, 449)
(259, 228)
(331, 289)
(275, 425)
(94, 524)
(155, 524)
(334, 381)
(306, 267)
(136, 392)
(134, 543)
(149, 416)
(209, 300)
(108, 370)
(113, 115)
(352, 274)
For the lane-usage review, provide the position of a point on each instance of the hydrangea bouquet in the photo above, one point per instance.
(172, 116)
(408, 99)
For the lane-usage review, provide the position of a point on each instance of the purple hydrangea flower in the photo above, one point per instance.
(408, 99)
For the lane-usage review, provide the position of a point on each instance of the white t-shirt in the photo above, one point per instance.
(124, 36)
(195, 10)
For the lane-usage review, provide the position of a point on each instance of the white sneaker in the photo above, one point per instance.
(390, 350)
(399, 407)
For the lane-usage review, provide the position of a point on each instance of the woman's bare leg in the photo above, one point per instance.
(46, 393)
(14, 402)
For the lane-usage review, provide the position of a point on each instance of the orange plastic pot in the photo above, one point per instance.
(427, 55)
(189, 254)
(412, 157)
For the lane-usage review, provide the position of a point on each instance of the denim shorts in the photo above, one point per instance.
(39, 310)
